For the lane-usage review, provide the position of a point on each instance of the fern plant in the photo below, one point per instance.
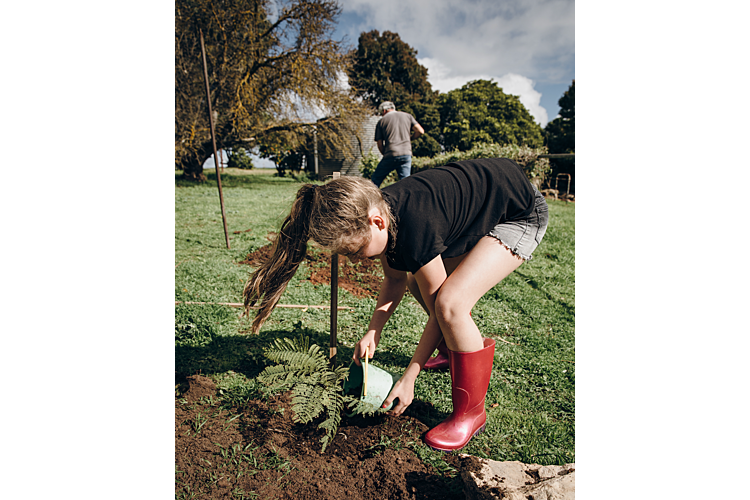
(317, 388)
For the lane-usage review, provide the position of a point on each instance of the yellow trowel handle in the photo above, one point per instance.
(364, 391)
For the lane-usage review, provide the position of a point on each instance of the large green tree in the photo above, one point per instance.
(481, 112)
(385, 68)
(560, 134)
(272, 67)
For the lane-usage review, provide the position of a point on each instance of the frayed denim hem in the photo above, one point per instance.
(515, 254)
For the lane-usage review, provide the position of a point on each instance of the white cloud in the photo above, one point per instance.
(524, 88)
(535, 38)
(443, 79)
(518, 43)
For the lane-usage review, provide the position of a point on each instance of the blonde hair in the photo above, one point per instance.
(334, 215)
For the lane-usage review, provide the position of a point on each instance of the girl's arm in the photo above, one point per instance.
(429, 278)
(391, 292)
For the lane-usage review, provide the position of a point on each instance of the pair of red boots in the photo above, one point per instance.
(470, 378)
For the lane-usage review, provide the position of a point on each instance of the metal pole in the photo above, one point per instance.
(334, 298)
(217, 160)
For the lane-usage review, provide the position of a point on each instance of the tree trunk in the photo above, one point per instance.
(192, 170)
(192, 165)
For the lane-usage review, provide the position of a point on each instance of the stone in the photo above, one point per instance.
(491, 480)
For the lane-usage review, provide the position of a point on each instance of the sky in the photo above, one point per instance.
(526, 46)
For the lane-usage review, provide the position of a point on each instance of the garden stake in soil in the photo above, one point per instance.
(334, 305)
(334, 297)
(217, 161)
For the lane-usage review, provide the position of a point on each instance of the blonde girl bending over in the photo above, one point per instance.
(449, 234)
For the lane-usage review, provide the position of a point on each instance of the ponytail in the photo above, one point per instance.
(269, 281)
(335, 215)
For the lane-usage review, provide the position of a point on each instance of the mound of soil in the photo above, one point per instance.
(361, 279)
(255, 450)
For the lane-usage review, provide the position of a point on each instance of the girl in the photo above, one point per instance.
(449, 234)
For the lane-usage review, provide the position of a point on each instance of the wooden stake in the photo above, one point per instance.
(334, 298)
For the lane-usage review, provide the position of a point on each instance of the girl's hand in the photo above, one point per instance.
(403, 390)
(367, 342)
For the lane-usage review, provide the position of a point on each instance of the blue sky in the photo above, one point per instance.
(527, 46)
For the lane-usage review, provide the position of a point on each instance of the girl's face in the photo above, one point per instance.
(378, 239)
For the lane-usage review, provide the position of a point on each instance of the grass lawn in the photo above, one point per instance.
(531, 398)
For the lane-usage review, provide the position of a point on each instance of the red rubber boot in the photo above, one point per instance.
(439, 362)
(470, 378)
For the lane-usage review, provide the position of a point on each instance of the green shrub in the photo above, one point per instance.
(536, 168)
(369, 163)
(239, 158)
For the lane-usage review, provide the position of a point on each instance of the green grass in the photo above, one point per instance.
(531, 398)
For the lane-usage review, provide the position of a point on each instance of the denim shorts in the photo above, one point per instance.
(522, 236)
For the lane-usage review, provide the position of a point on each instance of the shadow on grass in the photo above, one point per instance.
(242, 353)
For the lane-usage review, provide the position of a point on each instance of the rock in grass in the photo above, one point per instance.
(487, 479)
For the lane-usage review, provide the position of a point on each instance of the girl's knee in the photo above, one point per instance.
(449, 308)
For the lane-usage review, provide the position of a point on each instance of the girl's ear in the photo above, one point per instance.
(377, 219)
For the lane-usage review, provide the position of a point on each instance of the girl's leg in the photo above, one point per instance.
(470, 356)
(450, 265)
(486, 265)
(441, 361)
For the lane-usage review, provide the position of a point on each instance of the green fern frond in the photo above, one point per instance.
(316, 388)
(301, 361)
(361, 407)
(307, 402)
(331, 424)
(297, 354)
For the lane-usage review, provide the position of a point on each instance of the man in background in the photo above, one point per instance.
(393, 134)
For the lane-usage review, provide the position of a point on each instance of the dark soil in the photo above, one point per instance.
(255, 450)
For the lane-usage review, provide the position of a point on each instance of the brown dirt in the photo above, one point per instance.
(262, 453)
(255, 450)
(361, 279)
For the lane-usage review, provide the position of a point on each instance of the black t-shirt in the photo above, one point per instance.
(447, 210)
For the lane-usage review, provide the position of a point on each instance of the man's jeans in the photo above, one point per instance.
(401, 164)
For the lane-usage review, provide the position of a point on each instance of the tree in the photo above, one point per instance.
(480, 112)
(560, 134)
(239, 158)
(270, 72)
(385, 68)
